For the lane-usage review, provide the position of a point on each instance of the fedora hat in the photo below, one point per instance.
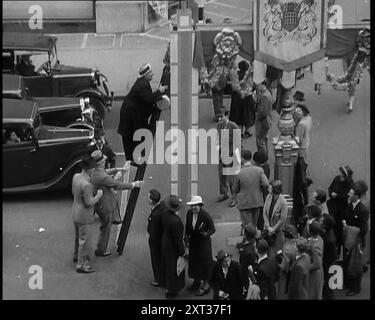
(98, 156)
(173, 203)
(144, 70)
(299, 96)
(195, 200)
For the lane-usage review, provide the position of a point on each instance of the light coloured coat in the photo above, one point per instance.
(248, 186)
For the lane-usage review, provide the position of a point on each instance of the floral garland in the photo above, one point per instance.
(360, 61)
(227, 44)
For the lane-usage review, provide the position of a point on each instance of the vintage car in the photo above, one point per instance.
(36, 156)
(50, 78)
(55, 111)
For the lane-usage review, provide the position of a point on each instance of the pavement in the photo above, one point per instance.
(337, 138)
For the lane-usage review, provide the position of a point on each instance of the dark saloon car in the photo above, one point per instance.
(50, 78)
(36, 156)
(55, 111)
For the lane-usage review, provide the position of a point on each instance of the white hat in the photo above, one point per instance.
(195, 200)
(144, 70)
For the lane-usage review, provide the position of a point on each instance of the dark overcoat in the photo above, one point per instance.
(267, 275)
(200, 247)
(155, 231)
(137, 107)
(242, 111)
(231, 284)
(338, 205)
(298, 286)
(248, 257)
(172, 247)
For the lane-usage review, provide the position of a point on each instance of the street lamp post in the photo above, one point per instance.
(286, 149)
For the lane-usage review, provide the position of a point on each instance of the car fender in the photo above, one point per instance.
(49, 185)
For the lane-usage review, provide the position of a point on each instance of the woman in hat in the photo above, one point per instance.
(198, 230)
(303, 129)
(172, 247)
(338, 199)
(225, 278)
(242, 110)
(138, 105)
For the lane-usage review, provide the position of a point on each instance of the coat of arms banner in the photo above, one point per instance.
(289, 34)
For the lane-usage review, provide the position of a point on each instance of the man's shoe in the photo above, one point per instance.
(85, 270)
(102, 254)
(233, 203)
(155, 284)
(351, 293)
(222, 197)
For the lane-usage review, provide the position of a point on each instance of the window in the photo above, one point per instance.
(15, 134)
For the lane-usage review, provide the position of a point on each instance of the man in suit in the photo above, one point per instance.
(155, 232)
(357, 215)
(225, 278)
(263, 118)
(303, 129)
(247, 188)
(137, 107)
(266, 271)
(83, 214)
(107, 207)
(298, 285)
(226, 130)
(275, 213)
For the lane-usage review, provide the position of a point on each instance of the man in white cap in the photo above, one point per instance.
(138, 106)
(198, 230)
(107, 207)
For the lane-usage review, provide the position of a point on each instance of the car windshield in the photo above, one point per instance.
(38, 58)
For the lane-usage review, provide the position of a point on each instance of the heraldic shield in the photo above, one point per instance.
(289, 34)
(290, 18)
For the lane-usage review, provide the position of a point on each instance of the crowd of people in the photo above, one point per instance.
(283, 255)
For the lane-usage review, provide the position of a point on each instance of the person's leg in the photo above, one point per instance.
(255, 215)
(217, 102)
(105, 230)
(246, 216)
(84, 248)
(128, 145)
(223, 183)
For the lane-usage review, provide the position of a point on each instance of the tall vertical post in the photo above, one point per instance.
(181, 104)
(286, 150)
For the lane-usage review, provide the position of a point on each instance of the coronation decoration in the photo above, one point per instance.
(360, 61)
(224, 68)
